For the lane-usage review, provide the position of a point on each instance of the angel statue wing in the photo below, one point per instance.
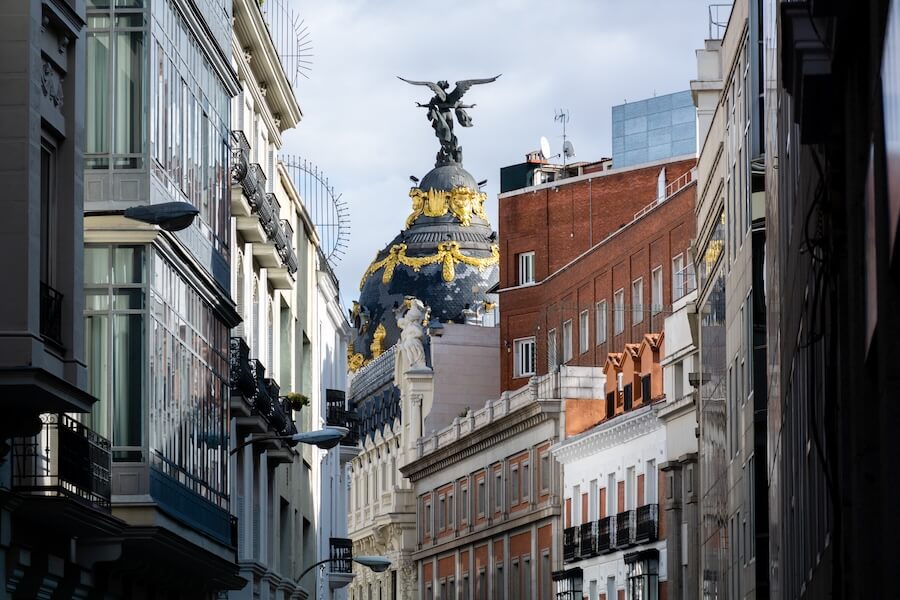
(442, 94)
(463, 86)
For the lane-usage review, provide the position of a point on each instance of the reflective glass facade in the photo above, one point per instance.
(654, 129)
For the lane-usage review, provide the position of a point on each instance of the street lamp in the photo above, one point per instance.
(379, 564)
(171, 216)
(326, 438)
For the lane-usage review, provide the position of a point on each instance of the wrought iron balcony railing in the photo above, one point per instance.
(242, 377)
(647, 523)
(267, 211)
(339, 417)
(240, 156)
(571, 537)
(66, 459)
(288, 256)
(254, 185)
(276, 416)
(625, 528)
(51, 314)
(341, 554)
(262, 401)
(606, 531)
(588, 543)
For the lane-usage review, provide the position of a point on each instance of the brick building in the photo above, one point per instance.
(591, 263)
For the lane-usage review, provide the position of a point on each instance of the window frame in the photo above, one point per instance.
(601, 325)
(584, 331)
(657, 288)
(526, 268)
(519, 369)
(637, 301)
(567, 341)
(619, 311)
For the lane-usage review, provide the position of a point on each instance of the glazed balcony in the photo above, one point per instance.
(647, 523)
(240, 156)
(65, 460)
(340, 568)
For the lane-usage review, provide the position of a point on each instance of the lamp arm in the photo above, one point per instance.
(260, 438)
(314, 565)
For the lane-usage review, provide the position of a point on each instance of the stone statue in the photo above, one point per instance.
(440, 112)
(411, 349)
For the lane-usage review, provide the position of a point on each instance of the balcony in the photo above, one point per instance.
(254, 185)
(262, 401)
(338, 415)
(625, 529)
(647, 526)
(66, 459)
(282, 277)
(340, 568)
(289, 257)
(265, 251)
(571, 537)
(240, 156)
(588, 543)
(568, 584)
(51, 314)
(245, 201)
(606, 528)
(242, 381)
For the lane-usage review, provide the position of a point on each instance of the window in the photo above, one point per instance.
(642, 578)
(451, 589)
(637, 301)
(464, 504)
(656, 283)
(49, 211)
(611, 499)
(465, 587)
(679, 287)
(442, 512)
(514, 485)
(526, 268)
(552, 356)
(514, 579)
(526, 577)
(480, 497)
(619, 311)
(545, 472)
(650, 478)
(499, 582)
(593, 505)
(481, 592)
(630, 489)
(526, 481)
(602, 324)
(583, 331)
(427, 519)
(567, 341)
(451, 511)
(546, 575)
(498, 490)
(577, 517)
(523, 350)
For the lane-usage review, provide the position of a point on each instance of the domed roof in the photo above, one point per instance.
(446, 256)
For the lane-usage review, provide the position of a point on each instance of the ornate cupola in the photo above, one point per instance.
(446, 255)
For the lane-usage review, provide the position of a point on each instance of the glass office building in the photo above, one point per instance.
(654, 129)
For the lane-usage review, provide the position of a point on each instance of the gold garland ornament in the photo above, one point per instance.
(463, 202)
(377, 346)
(448, 254)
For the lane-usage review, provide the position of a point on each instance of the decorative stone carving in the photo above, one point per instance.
(412, 350)
(52, 85)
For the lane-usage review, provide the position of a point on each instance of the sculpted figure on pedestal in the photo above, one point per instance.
(411, 346)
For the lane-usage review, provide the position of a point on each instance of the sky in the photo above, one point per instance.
(361, 126)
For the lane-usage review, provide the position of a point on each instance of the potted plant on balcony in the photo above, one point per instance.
(297, 400)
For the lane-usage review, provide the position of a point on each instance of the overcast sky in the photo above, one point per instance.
(362, 127)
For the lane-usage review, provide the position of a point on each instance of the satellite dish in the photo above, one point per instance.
(545, 147)
(568, 149)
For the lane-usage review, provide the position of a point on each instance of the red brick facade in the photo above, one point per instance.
(588, 244)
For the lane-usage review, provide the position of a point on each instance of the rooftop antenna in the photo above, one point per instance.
(562, 115)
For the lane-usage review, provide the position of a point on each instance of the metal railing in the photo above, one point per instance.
(51, 314)
(647, 523)
(571, 537)
(587, 546)
(606, 534)
(240, 156)
(254, 185)
(341, 554)
(288, 256)
(66, 459)
(241, 377)
(718, 20)
(625, 528)
(684, 180)
(265, 212)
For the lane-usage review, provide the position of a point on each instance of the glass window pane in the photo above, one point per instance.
(96, 300)
(129, 92)
(96, 341)
(128, 264)
(128, 299)
(96, 264)
(98, 57)
(127, 379)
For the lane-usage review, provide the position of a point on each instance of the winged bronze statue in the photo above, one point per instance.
(441, 109)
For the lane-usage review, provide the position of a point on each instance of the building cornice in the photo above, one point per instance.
(253, 32)
(606, 435)
(482, 438)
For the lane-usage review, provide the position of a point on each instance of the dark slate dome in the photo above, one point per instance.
(447, 257)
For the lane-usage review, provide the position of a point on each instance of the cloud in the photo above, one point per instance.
(362, 127)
